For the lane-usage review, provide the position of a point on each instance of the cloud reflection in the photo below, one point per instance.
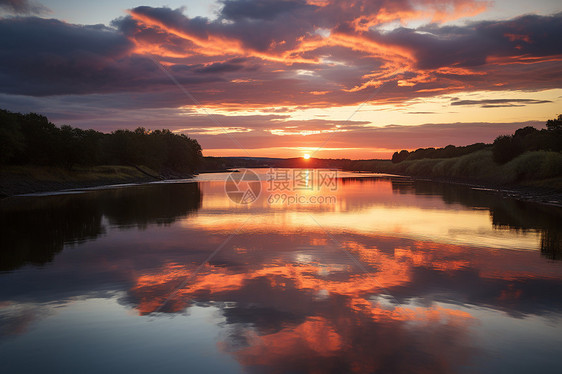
(289, 300)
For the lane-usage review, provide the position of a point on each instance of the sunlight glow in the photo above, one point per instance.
(306, 156)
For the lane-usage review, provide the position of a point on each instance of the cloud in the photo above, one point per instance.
(236, 10)
(383, 140)
(322, 48)
(22, 7)
(278, 57)
(47, 57)
(259, 54)
(481, 43)
(219, 67)
(500, 103)
(257, 132)
(50, 57)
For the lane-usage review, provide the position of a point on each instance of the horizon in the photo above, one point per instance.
(281, 79)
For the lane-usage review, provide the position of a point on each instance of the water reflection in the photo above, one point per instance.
(505, 213)
(282, 293)
(299, 306)
(34, 229)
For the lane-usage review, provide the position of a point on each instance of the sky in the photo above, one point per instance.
(271, 78)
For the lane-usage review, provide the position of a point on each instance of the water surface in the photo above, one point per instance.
(389, 276)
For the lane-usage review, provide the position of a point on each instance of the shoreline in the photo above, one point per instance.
(13, 184)
(35, 187)
(33, 180)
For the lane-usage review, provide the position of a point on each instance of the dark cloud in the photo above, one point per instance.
(261, 9)
(22, 7)
(500, 103)
(50, 57)
(47, 56)
(219, 67)
(430, 135)
(474, 44)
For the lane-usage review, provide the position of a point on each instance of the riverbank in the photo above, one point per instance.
(18, 180)
(532, 176)
(538, 193)
(534, 168)
(31, 179)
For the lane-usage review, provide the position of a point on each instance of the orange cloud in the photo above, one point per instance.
(215, 45)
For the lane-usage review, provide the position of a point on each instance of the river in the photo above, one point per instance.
(300, 271)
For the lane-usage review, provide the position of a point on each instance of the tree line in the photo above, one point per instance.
(30, 139)
(505, 148)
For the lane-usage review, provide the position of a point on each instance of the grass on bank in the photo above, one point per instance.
(77, 174)
(538, 168)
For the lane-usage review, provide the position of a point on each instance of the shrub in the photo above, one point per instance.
(535, 165)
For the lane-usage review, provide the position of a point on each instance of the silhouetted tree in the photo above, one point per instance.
(525, 131)
(32, 139)
(447, 152)
(400, 156)
(11, 138)
(506, 148)
(554, 124)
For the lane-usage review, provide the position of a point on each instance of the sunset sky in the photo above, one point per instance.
(270, 78)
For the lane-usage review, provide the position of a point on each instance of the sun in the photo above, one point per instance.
(306, 156)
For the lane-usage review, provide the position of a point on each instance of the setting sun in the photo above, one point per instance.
(306, 156)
